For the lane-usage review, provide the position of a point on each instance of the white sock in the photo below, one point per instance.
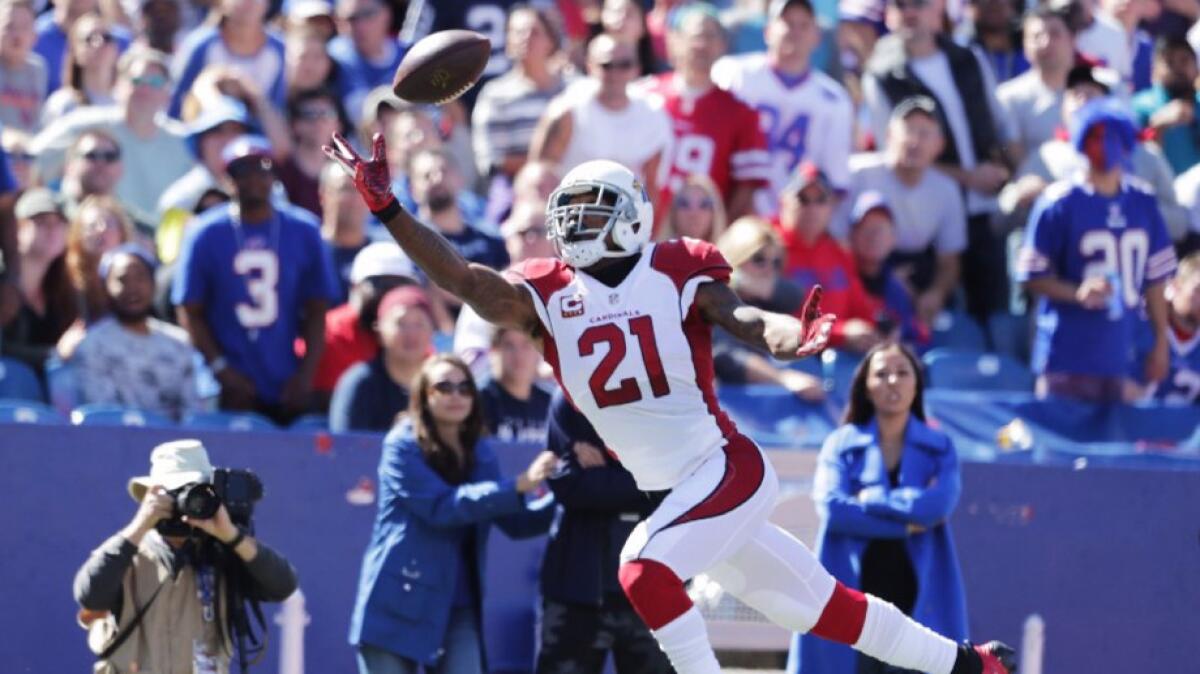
(685, 641)
(898, 640)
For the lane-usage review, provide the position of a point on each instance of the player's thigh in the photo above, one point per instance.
(570, 640)
(777, 575)
(710, 514)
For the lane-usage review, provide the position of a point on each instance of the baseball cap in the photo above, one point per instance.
(130, 248)
(408, 297)
(214, 114)
(1095, 75)
(920, 104)
(243, 147)
(807, 174)
(36, 201)
(300, 10)
(382, 258)
(868, 201)
(172, 465)
(778, 7)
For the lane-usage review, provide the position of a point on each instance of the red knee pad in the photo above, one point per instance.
(654, 590)
(843, 617)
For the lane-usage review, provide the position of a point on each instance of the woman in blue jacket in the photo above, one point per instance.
(440, 488)
(884, 487)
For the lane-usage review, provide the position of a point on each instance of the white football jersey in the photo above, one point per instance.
(636, 359)
(811, 120)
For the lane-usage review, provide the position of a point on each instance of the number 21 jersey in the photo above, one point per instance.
(636, 359)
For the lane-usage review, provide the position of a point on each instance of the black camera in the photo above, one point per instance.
(238, 489)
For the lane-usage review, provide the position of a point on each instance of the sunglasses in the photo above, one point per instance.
(682, 202)
(249, 166)
(313, 114)
(362, 15)
(105, 156)
(99, 39)
(152, 81)
(760, 259)
(23, 157)
(910, 4)
(617, 65)
(462, 388)
(810, 200)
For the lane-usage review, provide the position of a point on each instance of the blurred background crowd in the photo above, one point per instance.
(891, 150)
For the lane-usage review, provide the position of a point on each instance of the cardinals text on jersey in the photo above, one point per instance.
(637, 359)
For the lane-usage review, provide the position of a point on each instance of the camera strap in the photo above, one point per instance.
(124, 635)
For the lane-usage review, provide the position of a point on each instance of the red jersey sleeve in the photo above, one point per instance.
(545, 275)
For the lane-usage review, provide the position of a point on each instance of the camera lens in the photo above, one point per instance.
(198, 501)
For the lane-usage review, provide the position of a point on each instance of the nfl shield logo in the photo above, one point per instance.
(613, 298)
(572, 306)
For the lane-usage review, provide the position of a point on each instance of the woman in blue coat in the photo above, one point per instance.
(440, 488)
(885, 485)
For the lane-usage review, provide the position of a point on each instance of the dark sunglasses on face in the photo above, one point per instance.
(23, 157)
(760, 259)
(106, 156)
(312, 114)
(910, 4)
(683, 202)
(808, 200)
(99, 39)
(362, 14)
(617, 65)
(462, 388)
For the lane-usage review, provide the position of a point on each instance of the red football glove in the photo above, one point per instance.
(815, 326)
(371, 177)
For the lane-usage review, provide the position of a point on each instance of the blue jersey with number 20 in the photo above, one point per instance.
(253, 280)
(1075, 233)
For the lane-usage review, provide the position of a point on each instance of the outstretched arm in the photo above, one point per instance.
(783, 336)
(487, 292)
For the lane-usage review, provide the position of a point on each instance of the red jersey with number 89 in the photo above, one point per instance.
(636, 359)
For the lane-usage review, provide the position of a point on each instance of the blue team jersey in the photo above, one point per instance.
(1182, 385)
(1075, 233)
(253, 280)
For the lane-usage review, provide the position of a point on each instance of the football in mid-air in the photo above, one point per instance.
(442, 66)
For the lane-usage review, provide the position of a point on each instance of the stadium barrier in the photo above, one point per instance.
(1107, 557)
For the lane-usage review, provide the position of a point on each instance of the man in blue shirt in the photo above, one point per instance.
(433, 181)
(1095, 247)
(252, 278)
(1181, 386)
(366, 51)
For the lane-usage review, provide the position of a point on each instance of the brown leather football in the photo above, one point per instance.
(442, 66)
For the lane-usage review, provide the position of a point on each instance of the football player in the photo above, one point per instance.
(626, 325)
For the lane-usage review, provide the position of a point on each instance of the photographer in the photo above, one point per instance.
(160, 597)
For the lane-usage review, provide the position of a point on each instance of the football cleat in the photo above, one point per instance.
(997, 658)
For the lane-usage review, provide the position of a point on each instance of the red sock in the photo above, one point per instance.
(843, 617)
(654, 590)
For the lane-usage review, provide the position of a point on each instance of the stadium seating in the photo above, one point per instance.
(774, 417)
(968, 370)
(837, 367)
(28, 412)
(957, 329)
(115, 415)
(1010, 334)
(18, 381)
(230, 421)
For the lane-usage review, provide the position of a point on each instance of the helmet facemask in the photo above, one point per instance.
(582, 215)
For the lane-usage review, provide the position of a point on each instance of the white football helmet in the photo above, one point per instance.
(593, 199)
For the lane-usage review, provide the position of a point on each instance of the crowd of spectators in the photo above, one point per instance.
(161, 165)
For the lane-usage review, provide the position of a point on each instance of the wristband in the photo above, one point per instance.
(237, 540)
(390, 210)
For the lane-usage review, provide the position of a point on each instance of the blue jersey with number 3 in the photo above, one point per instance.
(253, 280)
(1075, 233)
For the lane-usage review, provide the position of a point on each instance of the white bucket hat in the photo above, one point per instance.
(172, 465)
